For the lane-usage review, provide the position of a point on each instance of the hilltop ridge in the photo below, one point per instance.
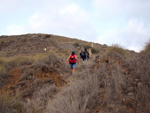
(35, 43)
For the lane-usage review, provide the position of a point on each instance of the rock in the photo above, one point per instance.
(140, 84)
(130, 94)
(137, 80)
(29, 77)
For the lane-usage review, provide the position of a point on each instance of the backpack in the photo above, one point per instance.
(82, 54)
(87, 54)
(72, 59)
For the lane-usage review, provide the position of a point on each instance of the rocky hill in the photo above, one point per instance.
(34, 77)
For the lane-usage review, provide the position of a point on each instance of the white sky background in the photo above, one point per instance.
(123, 22)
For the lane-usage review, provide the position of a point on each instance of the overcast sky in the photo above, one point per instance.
(122, 22)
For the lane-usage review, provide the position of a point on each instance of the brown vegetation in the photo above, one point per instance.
(114, 80)
(147, 48)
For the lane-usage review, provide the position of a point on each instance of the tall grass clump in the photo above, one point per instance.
(115, 51)
(40, 98)
(94, 50)
(147, 48)
(76, 44)
(53, 61)
(15, 61)
(10, 105)
(7, 63)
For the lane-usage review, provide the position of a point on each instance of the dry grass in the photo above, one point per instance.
(40, 98)
(42, 63)
(6, 39)
(126, 88)
(115, 51)
(8, 63)
(94, 50)
(120, 95)
(28, 65)
(79, 97)
(147, 48)
(117, 86)
(76, 44)
(87, 46)
(143, 89)
(9, 105)
(11, 62)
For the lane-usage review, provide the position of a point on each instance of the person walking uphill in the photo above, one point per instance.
(82, 55)
(86, 54)
(72, 61)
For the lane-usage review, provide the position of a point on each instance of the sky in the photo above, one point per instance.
(122, 22)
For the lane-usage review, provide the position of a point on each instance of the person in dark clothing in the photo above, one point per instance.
(86, 54)
(82, 55)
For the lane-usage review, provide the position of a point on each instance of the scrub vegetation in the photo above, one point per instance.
(34, 77)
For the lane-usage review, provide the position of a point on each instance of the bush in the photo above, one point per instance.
(79, 96)
(87, 46)
(115, 51)
(39, 100)
(7, 63)
(93, 50)
(76, 44)
(47, 36)
(9, 105)
(147, 48)
(17, 61)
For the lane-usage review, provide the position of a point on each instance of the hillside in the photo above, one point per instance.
(34, 77)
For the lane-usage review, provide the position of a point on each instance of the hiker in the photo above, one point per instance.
(72, 61)
(86, 54)
(82, 55)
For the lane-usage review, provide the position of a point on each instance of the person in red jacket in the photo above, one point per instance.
(72, 61)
